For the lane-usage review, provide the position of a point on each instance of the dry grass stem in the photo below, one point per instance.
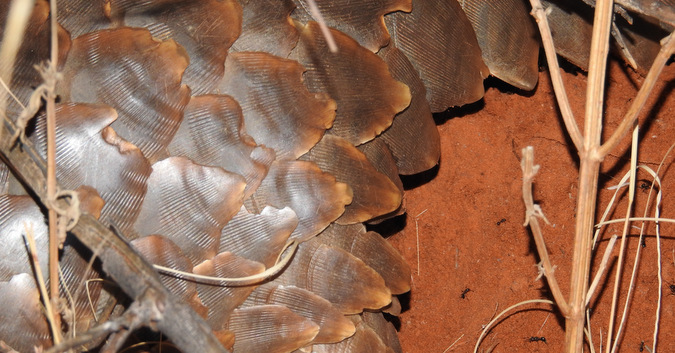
(50, 313)
(17, 20)
(314, 11)
(529, 171)
(55, 240)
(622, 248)
(667, 49)
(489, 325)
(539, 14)
(417, 237)
(292, 246)
(589, 334)
(453, 343)
(591, 153)
(601, 269)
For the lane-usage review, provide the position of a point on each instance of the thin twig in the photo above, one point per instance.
(417, 237)
(529, 171)
(601, 269)
(489, 325)
(238, 281)
(314, 11)
(641, 98)
(539, 14)
(589, 171)
(17, 20)
(124, 265)
(49, 311)
(54, 242)
(453, 343)
(622, 248)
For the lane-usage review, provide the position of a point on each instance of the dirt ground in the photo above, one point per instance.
(464, 237)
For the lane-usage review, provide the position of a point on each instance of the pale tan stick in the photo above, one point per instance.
(314, 11)
(50, 77)
(588, 177)
(417, 236)
(529, 171)
(622, 248)
(588, 332)
(539, 15)
(17, 20)
(49, 311)
(238, 281)
(611, 203)
(601, 269)
(659, 259)
(657, 212)
(641, 98)
(453, 343)
(634, 219)
(489, 325)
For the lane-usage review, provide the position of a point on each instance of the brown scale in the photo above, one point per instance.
(216, 131)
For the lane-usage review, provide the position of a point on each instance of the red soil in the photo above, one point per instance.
(469, 222)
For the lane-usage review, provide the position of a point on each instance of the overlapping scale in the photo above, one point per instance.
(15, 211)
(364, 340)
(79, 17)
(367, 96)
(663, 10)
(323, 269)
(189, 204)
(212, 134)
(438, 39)
(315, 197)
(334, 326)
(374, 193)
(205, 28)
(20, 215)
(138, 76)
(270, 329)
(22, 325)
(221, 300)
(4, 178)
(394, 308)
(413, 154)
(159, 250)
(373, 250)
(258, 237)
(379, 155)
(384, 329)
(114, 167)
(641, 39)
(279, 112)
(508, 39)
(33, 51)
(361, 20)
(571, 27)
(267, 27)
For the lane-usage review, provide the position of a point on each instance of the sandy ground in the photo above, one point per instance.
(464, 237)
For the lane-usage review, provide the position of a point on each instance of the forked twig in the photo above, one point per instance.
(539, 14)
(667, 49)
(529, 171)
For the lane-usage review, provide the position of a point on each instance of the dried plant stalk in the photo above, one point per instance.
(591, 153)
(50, 77)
